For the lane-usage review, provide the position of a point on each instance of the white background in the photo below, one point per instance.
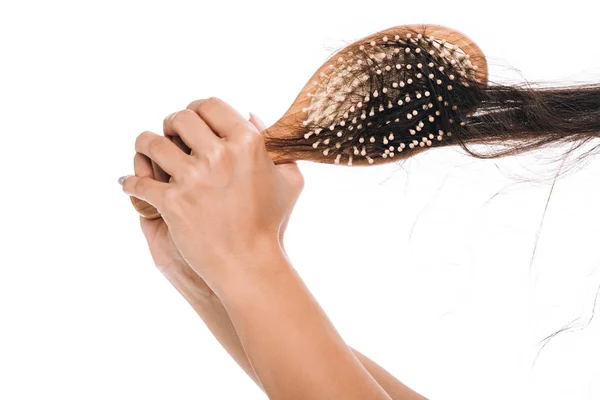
(420, 268)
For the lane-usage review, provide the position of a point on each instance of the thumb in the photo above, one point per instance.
(257, 122)
(289, 170)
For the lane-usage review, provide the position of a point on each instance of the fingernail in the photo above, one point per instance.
(122, 179)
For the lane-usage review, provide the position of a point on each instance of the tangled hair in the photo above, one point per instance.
(388, 98)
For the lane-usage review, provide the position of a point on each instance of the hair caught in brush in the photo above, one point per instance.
(395, 96)
(391, 98)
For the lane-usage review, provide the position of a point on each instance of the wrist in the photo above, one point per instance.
(252, 269)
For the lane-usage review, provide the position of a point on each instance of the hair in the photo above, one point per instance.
(384, 100)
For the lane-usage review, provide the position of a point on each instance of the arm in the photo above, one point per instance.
(208, 306)
(290, 342)
(211, 310)
(396, 389)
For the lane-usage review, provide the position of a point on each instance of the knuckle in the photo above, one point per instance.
(191, 173)
(182, 116)
(210, 104)
(167, 119)
(187, 113)
(194, 104)
(171, 196)
(141, 138)
(139, 185)
(203, 106)
(213, 100)
(218, 155)
(155, 146)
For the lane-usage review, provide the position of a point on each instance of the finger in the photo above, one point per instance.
(193, 131)
(142, 166)
(223, 119)
(180, 143)
(159, 173)
(163, 152)
(257, 122)
(145, 188)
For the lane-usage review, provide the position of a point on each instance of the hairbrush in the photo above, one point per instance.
(398, 92)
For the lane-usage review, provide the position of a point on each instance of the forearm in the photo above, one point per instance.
(217, 320)
(394, 388)
(294, 348)
(208, 306)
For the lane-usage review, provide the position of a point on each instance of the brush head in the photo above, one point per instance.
(388, 96)
(384, 97)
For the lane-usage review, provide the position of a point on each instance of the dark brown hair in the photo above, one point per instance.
(420, 90)
(447, 98)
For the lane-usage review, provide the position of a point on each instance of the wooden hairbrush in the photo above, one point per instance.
(382, 98)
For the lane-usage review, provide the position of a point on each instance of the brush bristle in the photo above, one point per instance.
(388, 95)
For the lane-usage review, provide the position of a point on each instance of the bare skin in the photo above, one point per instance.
(247, 307)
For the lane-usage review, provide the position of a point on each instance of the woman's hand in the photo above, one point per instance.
(164, 253)
(226, 199)
(225, 207)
